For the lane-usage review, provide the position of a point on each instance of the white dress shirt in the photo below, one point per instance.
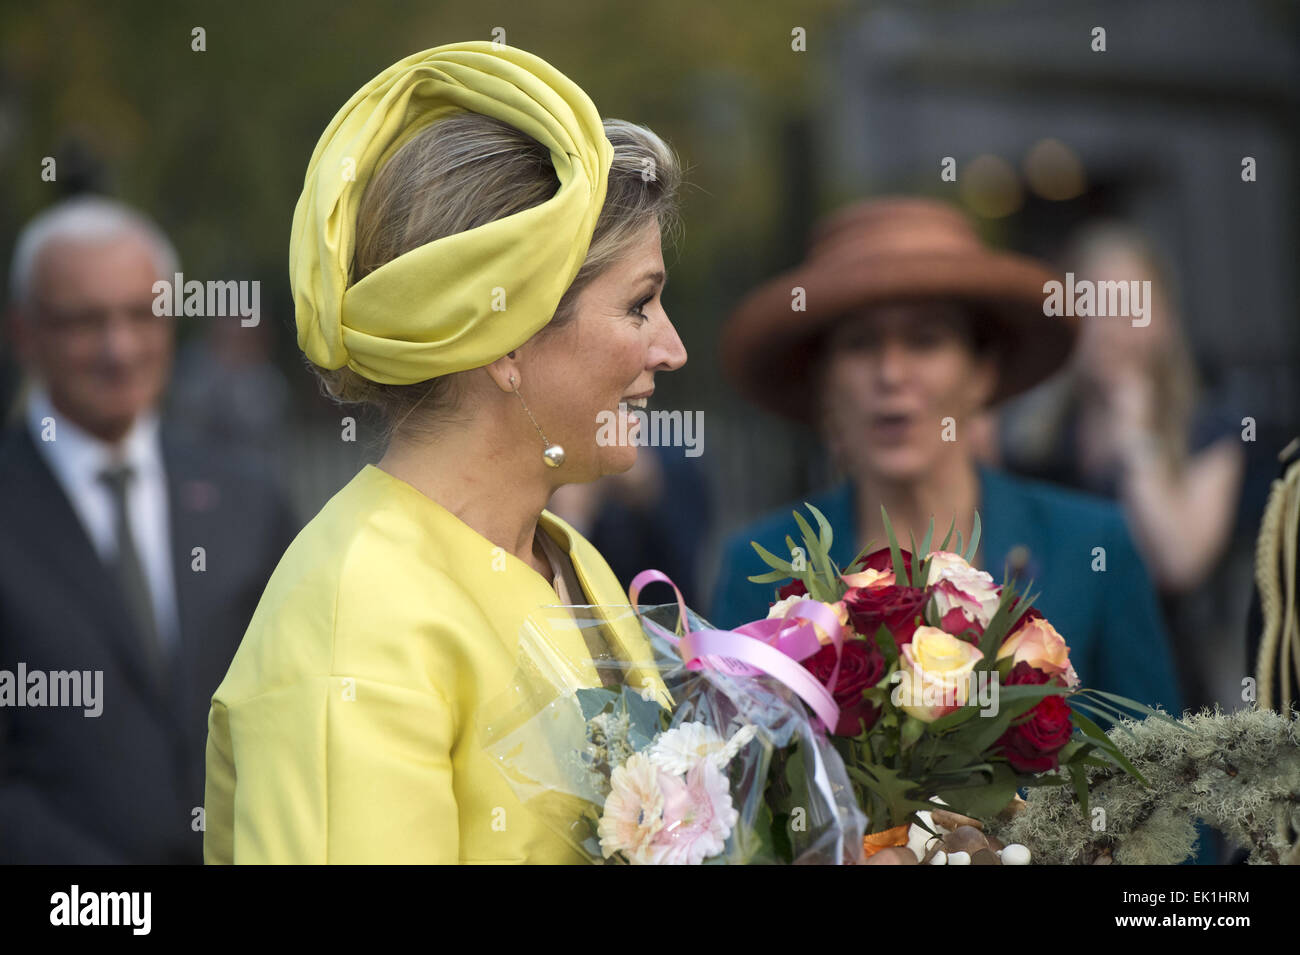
(76, 457)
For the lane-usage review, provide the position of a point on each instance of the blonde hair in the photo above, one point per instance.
(468, 170)
(1172, 368)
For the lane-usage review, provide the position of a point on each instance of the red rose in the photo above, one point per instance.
(794, 588)
(1024, 672)
(957, 623)
(898, 608)
(882, 560)
(861, 667)
(1032, 746)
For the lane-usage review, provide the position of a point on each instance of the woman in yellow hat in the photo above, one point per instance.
(477, 255)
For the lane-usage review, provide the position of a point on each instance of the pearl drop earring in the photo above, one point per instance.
(553, 455)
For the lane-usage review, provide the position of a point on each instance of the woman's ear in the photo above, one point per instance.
(505, 372)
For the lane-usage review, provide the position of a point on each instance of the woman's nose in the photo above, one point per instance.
(668, 352)
(891, 362)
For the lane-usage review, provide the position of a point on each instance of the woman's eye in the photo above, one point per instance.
(925, 340)
(637, 308)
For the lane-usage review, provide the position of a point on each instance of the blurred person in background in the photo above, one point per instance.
(1129, 420)
(227, 389)
(912, 327)
(125, 552)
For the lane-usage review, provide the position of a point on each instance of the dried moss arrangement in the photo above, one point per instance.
(1238, 772)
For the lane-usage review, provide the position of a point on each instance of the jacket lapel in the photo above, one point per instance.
(40, 514)
(622, 627)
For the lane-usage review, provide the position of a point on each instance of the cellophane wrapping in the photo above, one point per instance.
(655, 763)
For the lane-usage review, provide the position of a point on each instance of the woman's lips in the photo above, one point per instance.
(891, 428)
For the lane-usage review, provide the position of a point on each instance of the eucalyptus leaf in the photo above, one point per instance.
(772, 560)
(1079, 776)
(595, 701)
(895, 554)
(809, 540)
(645, 718)
(825, 533)
(1098, 708)
(1141, 708)
(948, 537)
(969, 553)
(1106, 745)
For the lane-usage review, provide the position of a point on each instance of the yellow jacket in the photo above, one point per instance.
(346, 727)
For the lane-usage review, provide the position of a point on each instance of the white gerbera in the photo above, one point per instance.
(680, 749)
(634, 809)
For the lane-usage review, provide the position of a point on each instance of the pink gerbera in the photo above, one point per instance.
(698, 816)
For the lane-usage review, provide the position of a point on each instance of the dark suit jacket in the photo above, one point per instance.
(122, 787)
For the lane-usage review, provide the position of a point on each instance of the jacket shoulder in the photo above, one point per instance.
(353, 594)
(771, 528)
(1057, 511)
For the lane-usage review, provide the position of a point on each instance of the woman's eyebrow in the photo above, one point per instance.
(655, 276)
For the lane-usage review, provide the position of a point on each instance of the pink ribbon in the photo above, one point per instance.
(773, 646)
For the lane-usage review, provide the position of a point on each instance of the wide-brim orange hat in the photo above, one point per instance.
(881, 251)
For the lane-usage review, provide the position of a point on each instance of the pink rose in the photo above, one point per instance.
(957, 585)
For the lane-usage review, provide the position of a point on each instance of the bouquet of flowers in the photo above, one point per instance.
(672, 751)
(951, 688)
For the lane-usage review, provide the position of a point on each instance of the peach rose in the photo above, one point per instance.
(1037, 643)
(869, 578)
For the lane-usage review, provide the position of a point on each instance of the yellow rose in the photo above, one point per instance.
(1037, 643)
(933, 676)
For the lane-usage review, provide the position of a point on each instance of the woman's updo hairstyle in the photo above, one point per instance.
(468, 170)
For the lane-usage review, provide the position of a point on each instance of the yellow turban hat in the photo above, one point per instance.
(464, 300)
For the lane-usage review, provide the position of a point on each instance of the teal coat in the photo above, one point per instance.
(1034, 531)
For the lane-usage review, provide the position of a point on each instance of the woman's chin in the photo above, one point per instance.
(617, 459)
(900, 465)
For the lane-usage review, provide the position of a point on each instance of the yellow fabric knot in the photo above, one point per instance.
(438, 308)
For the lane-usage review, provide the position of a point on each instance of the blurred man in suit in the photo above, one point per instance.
(124, 550)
